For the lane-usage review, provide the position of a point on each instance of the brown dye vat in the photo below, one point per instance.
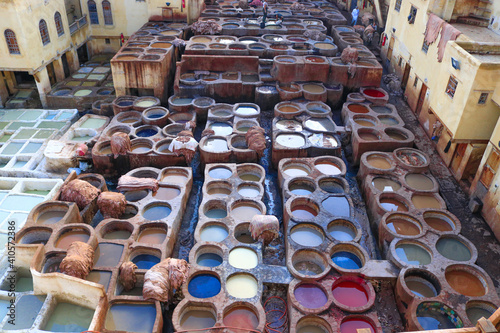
(465, 283)
(396, 135)
(438, 223)
(425, 201)
(367, 136)
(403, 227)
(385, 184)
(364, 122)
(324, 46)
(127, 57)
(392, 205)
(358, 108)
(313, 88)
(379, 162)
(201, 39)
(419, 182)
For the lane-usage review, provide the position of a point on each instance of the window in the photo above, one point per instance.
(10, 38)
(106, 10)
(425, 46)
(483, 98)
(94, 19)
(59, 24)
(413, 14)
(400, 63)
(415, 82)
(397, 7)
(452, 86)
(44, 32)
(107, 40)
(490, 168)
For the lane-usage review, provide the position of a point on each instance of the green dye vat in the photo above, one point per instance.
(25, 134)
(11, 115)
(17, 202)
(68, 317)
(96, 77)
(3, 124)
(12, 148)
(23, 281)
(52, 124)
(82, 138)
(43, 134)
(32, 148)
(16, 101)
(30, 115)
(37, 192)
(93, 123)
(23, 93)
(82, 93)
(5, 137)
(73, 83)
(17, 125)
(27, 309)
(89, 84)
(78, 76)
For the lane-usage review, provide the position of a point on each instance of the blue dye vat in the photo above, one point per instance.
(346, 260)
(145, 261)
(154, 116)
(204, 286)
(146, 132)
(27, 309)
(209, 260)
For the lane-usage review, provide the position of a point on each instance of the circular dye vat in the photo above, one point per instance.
(290, 140)
(156, 212)
(419, 182)
(306, 236)
(437, 316)
(385, 184)
(244, 212)
(421, 287)
(364, 122)
(413, 254)
(248, 191)
(425, 201)
(250, 177)
(396, 135)
(479, 310)
(204, 286)
(308, 268)
(246, 111)
(346, 260)
(241, 317)
(152, 235)
(289, 125)
(358, 108)
(216, 145)
(352, 325)
(368, 136)
(403, 227)
(350, 294)
(311, 329)
(220, 173)
(145, 261)
(304, 212)
(117, 234)
(83, 92)
(342, 232)
(328, 168)
(209, 260)
(453, 249)
(314, 88)
(374, 93)
(392, 205)
(440, 224)
(134, 196)
(146, 132)
(50, 217)
(197, 319)
(243, 258)
(218, 191)
(338, 206)
(65, 240)
(216, 213)
(174, 177)
(166, 193)
(381, 109)
(465, 283)
(213, 233)
(222, 129)
(331, 185)
(242, 286)
(310, 296)
(301, 188)
(379, 162)
(296, 171)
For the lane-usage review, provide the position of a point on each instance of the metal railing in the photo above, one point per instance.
(78, 24)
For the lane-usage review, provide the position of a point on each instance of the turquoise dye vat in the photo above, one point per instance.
(342, 233)
(209, 260)
(131, 317)
(213, 233)
(107, 255)
(347, 260)
(413, 254)
(20, 202)
(154, 213)
(145, 261)
(31, 148)
(30, 115)
(216, 213)
(338, 206)
(25, 134)
(101, 277)
(12, 148)
(27, 309)
(19, 164)
(68, 317)
(453, 249)
(204, 286)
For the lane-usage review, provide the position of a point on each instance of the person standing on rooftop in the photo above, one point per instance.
(355, 13)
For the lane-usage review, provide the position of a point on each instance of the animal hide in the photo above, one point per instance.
(129, 183)
(127, 275)
(448, 33)
(163, 278)
(265, 228)
(78, 261)
(79, 192)
(120, 144)
(111, 204)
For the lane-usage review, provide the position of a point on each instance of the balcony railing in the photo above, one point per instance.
(78, 24)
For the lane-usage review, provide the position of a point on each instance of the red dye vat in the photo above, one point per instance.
(310, 296)
(241, 317)
(373, 93)
(352, 325)
(350, 294)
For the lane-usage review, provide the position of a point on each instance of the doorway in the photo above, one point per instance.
(389, 52)
(64, 60)
(83, 55)
(406, 76)
(421, 98)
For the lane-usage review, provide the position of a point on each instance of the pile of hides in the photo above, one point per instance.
(366, 18)
(163, 278)
(448, 32)
(393, 84)
(359, 29)
(256, 139)
(184, 144)
(432, 29)
(79, 192)
(265, 228)
(120, 144)
(129, 183)
(256, 3)
(315, 35)
(349, 55)
(78, 261)
(111, 204)
(127, 275)
(297, 6)
(243, 4)
(209, 27)
(207, 132)
(368, 34)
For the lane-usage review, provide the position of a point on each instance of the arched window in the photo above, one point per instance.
(106, 10)
(44, 32)
(59, 24)
(10, 38)
(94, 19)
